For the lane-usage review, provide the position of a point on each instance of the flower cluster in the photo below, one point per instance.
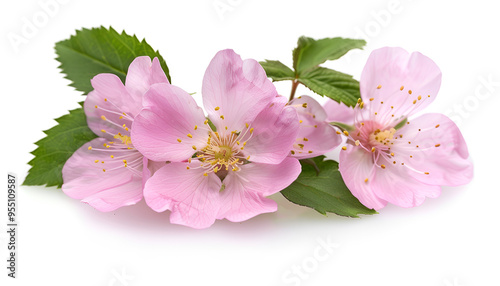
(223, 163)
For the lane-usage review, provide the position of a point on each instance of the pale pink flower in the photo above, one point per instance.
(108, 172)
(316, 135)
(225, 173)
(388, 159)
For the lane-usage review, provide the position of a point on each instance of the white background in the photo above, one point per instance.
(449, 241)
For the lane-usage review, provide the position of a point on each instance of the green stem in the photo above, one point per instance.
(295, 83)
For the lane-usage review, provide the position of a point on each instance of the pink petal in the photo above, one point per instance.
(244, 193)
(447, 164)
(239, 90)
(397, 83)
(394, 185)
(356, 166)
(84, 179)
(320, 140)
(111, 88)
(106, 105)
(316, 136)
(150, 167)
(142, 73)
(309, 107)
(339, 112)
(275, 131)
(169, 115)
(192, 197)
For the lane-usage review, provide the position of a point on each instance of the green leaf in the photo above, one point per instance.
(277, 70)
(101, 50)
(310, 53)
(302, 42)
(320, 186)
(59, 144)
(338, 86)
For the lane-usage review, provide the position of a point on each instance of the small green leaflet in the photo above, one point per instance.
(277, 71)
(320, 186)
(310, 53)
(307, 57)
(83, 56)
(101, 50)
(59, 144)
(339, 86)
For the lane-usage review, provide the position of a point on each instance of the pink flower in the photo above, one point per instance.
(388, 159)
(108, 172)
(316, 135)
(225, 173)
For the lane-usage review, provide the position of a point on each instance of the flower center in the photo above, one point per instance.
(383, 137)
(222, 153)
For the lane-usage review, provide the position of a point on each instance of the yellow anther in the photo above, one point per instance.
(379, 86)
(251, 130)
(338, 132)
(301, 146)
(238, 142)
(366, 180)
(205, 174)
(103, 117)
(105, 99)
(187, 167)
(356, 142)
(372, 99)
(437, 126)
(362, 105)
(359, 100)
(104, 170)
(401, 88)
(205, 122)
(410, 92)
(346, 133)
(179, 140)
(95, 106)
(125, 161)
(437, 145)
(217, 108)
(305, 139)
(415, 101)
(419, 97)
(111, 156)
(248, 158)
(304, 105)
(344, 148)
(427, 173)
(121, 117)
(246, 124)
(382, 166)
(90, 148)
(300, 121)
(315, 126)
(96, 161)
(124, 125)
(392, 154)
(194, 147)
(373, 149)
(293, 152)
(195, 127)
(222, 117)
(309, 152)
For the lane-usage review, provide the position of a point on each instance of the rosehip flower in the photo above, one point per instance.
(390, 158)
(108, 172)
(316, 135)
(221, 172)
